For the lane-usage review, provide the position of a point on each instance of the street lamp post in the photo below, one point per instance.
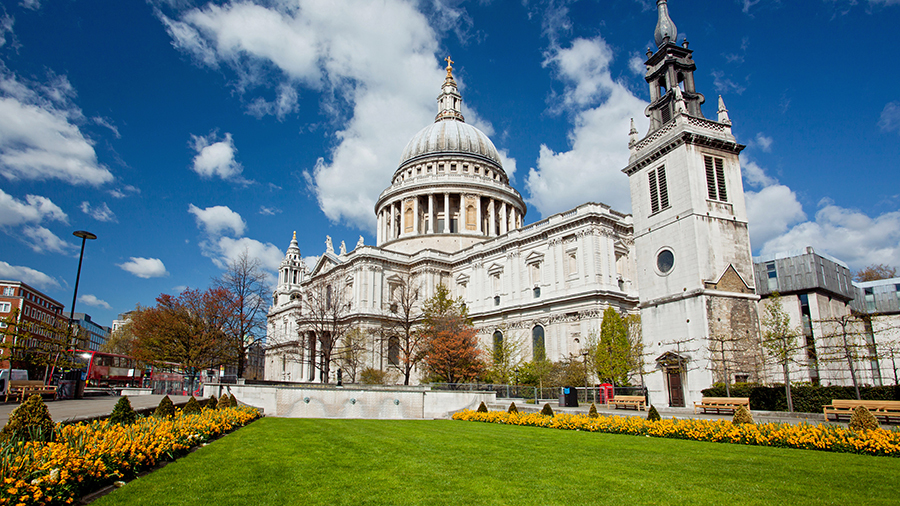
(84, 235)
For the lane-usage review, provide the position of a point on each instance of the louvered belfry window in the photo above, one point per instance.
(659, 192)
(715, 178)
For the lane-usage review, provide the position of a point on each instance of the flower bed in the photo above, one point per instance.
(803, 436)
(88, 456)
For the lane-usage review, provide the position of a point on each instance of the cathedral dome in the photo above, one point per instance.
(450, 136)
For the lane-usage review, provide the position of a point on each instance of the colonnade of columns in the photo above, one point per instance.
(428, 214)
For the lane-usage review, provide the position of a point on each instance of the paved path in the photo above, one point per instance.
(90, 407)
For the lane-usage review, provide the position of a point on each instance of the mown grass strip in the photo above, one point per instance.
(293, 461)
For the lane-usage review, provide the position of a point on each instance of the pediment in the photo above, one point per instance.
(534, 257)
(462, 279)
(730, 281)
(495, 270)
(325, 263)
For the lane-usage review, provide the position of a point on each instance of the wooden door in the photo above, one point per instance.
(676, 393)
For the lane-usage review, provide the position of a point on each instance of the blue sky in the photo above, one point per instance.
(182, 133)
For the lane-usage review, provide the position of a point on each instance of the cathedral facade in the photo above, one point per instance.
(681, 258)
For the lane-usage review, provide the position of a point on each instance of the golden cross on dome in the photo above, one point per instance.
(449, 67)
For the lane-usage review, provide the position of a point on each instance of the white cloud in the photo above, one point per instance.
(287, 101)
(101, 213)
(725, 85)
(377, 58)
(771, 211)
(108, 125)
(778, 224)
(890, 116)
(848, 234)
(636, 64)
(39, 134)
(215, 157)
(145, 267)
(92, 300)
(44, 241)
(591, 170)
(269, 211)
(27, 275)
(6, 26)
(121, 193)
(218, 219)
(764, 142)
(748, 4)
(222, 249)
(228, 250)
(34, 210)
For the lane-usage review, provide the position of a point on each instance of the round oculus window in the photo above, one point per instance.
(665, 260)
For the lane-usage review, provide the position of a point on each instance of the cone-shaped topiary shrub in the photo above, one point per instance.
(234, 402)
(123, 413)
(482, 408)
(192, 406)
(29, 422)
(592, 413)
(512, 408)
(547, 410)
(862, 419)
(165, 409)
(213, 402)
(224, 401)
(742, 415)
(653, 414)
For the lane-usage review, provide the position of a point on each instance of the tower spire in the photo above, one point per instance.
(665, 27)
(450, 101)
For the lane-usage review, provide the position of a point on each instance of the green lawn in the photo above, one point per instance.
(281, 461)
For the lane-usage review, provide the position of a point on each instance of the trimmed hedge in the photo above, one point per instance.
(807, 398)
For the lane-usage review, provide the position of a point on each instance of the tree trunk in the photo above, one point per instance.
(787, 386)
(850, 364)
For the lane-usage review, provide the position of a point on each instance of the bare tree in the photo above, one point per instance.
(351, 352)
(402, 325)
(780, 340)
(249, 290)
(844, 345)
(326, 309)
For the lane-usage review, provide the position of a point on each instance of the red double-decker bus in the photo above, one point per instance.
(107, 370)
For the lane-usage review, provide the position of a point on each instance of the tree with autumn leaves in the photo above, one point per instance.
(451, 351)
(189, 329)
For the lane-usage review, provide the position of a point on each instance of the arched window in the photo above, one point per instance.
(408, 220)
(538, 351)
(394, 350)
(328, 297)
(498, 344)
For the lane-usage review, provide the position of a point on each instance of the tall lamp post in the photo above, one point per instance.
(84, 235)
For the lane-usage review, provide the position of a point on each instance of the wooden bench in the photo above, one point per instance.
(722, 404)
(638, 402)
(884, 411)
(26, 388)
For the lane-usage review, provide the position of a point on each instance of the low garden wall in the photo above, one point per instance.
(314, 401)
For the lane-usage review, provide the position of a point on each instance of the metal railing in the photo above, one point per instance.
(532, 394)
